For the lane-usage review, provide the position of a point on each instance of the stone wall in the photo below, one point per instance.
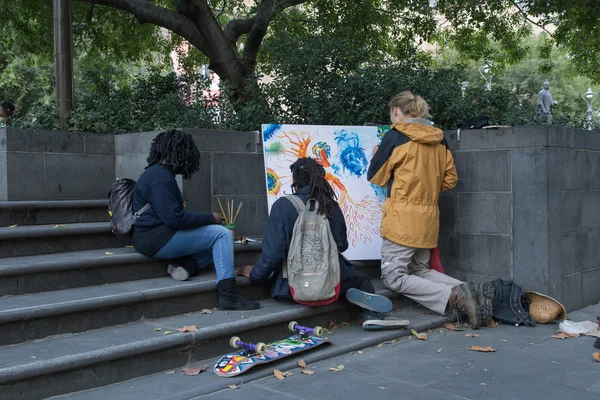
(231, 167)
(527, 207)
(53, 165)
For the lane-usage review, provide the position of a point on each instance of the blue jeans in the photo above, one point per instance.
(210, 243)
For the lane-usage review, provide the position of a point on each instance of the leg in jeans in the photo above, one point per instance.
(204, 244)
(395, 262)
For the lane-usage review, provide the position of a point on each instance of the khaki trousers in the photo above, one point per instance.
(405, 270)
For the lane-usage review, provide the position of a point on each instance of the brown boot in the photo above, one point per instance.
(484, 294)
(463, 302)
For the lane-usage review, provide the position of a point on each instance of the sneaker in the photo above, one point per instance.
(374, 321)
(463, 301)
(484, 296)
(369, 301)
(177, 272)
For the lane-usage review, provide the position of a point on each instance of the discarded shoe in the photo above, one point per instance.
(177, 272)
(463, 301)
(369, 301)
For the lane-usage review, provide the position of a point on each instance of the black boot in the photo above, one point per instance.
(229, 298)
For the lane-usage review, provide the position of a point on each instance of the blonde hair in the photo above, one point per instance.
(410, 105)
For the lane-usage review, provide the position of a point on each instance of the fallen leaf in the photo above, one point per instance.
(472, 335)
(380, 345)
(331, 325)
(168, 332)
(170, 372)
(420, 336)
(451, 327)
(504, 340)
(307, 371)
(13, 226)
(442, 332)
(281, 375)
(129, 247)
(487, 349)
(564, 335)
(190, 328)
(194, 371)
(440, 350)
(108, 253)
(205, 311)
(483, 384)
(492, 324)
(157, 329)
(337, 369)
(233, 386)
(596, 356)
(188, 314)
(360, 352)
(301, 364)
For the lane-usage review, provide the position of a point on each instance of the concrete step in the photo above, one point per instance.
(52, 212)
(169, 385)
(68, 363)
(40, 273)
(57, 238)
(39, 315)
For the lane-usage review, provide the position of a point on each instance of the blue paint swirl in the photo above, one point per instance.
(270, 131)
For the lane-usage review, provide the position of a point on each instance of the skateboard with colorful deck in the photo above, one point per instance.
(252, 354)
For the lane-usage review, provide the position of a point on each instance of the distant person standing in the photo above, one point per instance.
(545, 103)
(7, 110)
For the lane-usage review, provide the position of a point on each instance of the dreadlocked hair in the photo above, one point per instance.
(306, 172)
(176, 151)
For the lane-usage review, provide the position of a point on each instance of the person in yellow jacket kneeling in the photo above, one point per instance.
(415, 165)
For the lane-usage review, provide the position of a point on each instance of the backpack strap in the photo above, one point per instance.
(300, 207)
(141, 211)
(296, 202)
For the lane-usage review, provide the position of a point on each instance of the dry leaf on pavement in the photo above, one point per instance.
(337, 369)
(451, 327)
(13, 226)
(504, 340)
(487, 349)
(301, 364)
(233, 386)
(440, 350)
(492, 324)
(483, 384)
(188, 314)
(596, 356)
(281, 375)
(190, 328)
(564, 335)
(168, 332)
(195, 370)
(157, 329)
(420, 336)
(472, 335)
(205, 311)
(307, 371)
(170, 372)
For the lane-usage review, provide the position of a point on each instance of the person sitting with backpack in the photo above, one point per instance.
(309, 252)
(166, 231)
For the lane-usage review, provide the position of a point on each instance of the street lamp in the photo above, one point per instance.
(463, 87)
(589, 99)
(485, 72)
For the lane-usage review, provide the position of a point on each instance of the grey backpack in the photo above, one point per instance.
(312, 267)
(120, 208)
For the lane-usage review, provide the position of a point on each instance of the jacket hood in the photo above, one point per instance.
(420, 130)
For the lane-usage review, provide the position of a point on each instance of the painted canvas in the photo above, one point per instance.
(345, 152)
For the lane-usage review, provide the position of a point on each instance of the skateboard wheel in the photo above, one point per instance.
(260, 348)
(318, 331)
(292, 326)
(233, 342)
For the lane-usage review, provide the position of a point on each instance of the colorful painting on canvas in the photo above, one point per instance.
(345, 152)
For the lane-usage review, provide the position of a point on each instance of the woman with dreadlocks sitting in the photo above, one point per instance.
(309, 182)
(167, 231)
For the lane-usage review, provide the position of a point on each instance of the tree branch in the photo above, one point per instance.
(524, 13)
(161, 16)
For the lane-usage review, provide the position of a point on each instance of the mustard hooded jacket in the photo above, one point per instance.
(415, 165)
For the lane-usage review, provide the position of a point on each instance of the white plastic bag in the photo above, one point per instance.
(576, 327)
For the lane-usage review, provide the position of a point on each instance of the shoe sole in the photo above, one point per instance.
(369, 301)
(178, 273)
(380, 325)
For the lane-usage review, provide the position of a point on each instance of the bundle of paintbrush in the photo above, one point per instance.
(228, 213)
